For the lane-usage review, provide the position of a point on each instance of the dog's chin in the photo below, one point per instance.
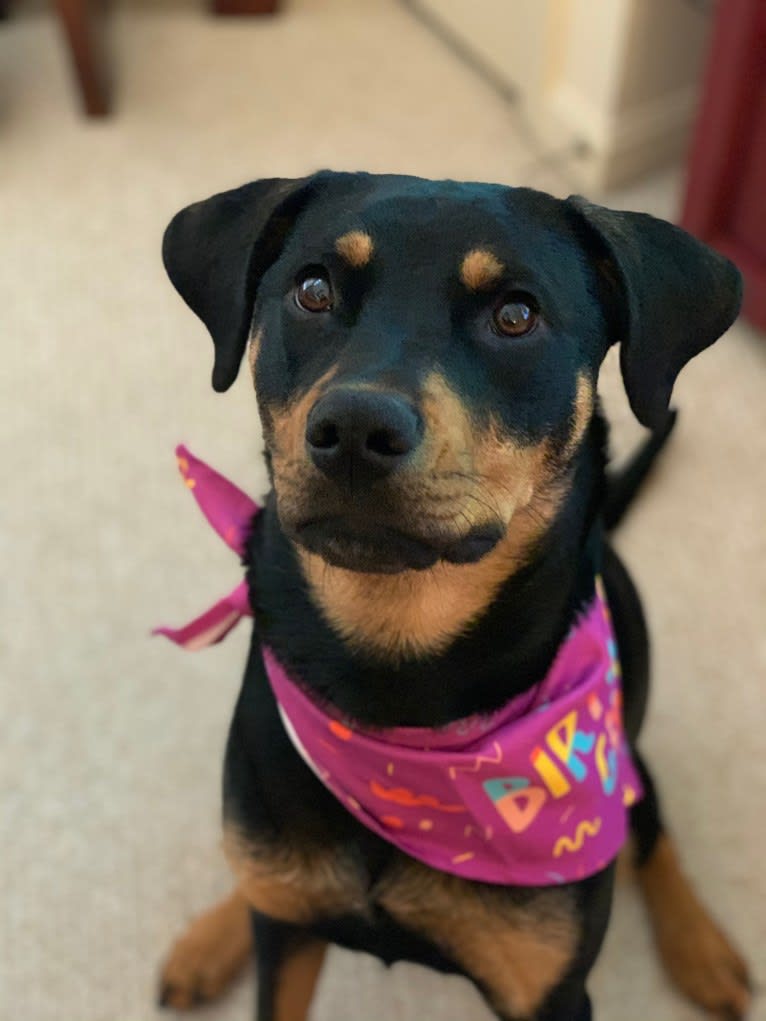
(371, 548)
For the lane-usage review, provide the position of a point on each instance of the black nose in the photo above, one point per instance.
(354, 436)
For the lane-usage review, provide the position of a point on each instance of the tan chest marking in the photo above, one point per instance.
(293, 885)
(516, 954)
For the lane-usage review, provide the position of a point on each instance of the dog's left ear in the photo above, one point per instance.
(674, 297)
(216, 251)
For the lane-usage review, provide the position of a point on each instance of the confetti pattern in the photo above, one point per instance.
(535, 794)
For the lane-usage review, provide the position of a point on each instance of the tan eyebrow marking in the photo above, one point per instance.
(355, 247)
(480, 269)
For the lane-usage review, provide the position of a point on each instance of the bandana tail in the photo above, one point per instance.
(226, 507)
(214, 624)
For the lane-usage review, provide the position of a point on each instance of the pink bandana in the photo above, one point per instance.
(531, 795)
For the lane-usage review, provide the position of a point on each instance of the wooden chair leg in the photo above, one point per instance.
(245, 6)
(77, 18)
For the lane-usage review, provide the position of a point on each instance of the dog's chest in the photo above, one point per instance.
(516, 944)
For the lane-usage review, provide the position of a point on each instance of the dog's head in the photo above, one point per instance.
(425, 354)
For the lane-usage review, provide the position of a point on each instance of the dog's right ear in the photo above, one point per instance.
(215, 253)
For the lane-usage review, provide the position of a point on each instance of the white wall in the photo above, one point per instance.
(509, 34)
(619, 75)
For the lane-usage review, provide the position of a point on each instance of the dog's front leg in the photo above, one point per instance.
(208, 957)
(288, 962)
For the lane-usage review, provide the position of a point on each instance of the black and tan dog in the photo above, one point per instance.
(425, 357)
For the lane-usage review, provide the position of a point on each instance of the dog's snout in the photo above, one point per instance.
(360, 435)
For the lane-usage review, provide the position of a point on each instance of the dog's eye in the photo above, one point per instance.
(313, 292)
(514, 318)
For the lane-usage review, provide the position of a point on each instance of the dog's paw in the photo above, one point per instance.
(208, 957)
(704, 964)
(698, 955)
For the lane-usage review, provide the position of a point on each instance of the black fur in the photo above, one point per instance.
(597, 276)
(661, 274)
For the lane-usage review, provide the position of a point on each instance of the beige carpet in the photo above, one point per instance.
(111, 742)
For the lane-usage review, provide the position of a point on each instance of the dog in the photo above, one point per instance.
(425, 358)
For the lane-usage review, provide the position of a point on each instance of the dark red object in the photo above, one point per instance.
(81, 24)
(80, 21)
(245, 6)
(725, 202)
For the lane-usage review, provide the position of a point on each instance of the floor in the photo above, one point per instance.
(112, 741)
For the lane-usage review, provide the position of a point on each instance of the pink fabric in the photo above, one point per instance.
(230, 512)
(534, 794)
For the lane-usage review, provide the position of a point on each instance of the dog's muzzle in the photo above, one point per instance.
(358, 439)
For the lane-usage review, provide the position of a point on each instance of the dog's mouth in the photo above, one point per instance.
(367, 546)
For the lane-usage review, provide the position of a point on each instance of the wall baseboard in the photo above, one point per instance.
(622, 147)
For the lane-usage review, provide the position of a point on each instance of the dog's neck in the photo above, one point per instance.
(423, 650)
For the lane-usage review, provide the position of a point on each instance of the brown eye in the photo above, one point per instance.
(514, 318)
(313, 293)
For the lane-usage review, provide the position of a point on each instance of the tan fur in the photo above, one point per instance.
(696, 953)
(480, 269)
(478, 479)
(356, 248)
(286, 429)
(518, 954)
(208, 957)
(253, 350)
(416, 613)
(292, 885)
(296, 981)
(583, 410)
